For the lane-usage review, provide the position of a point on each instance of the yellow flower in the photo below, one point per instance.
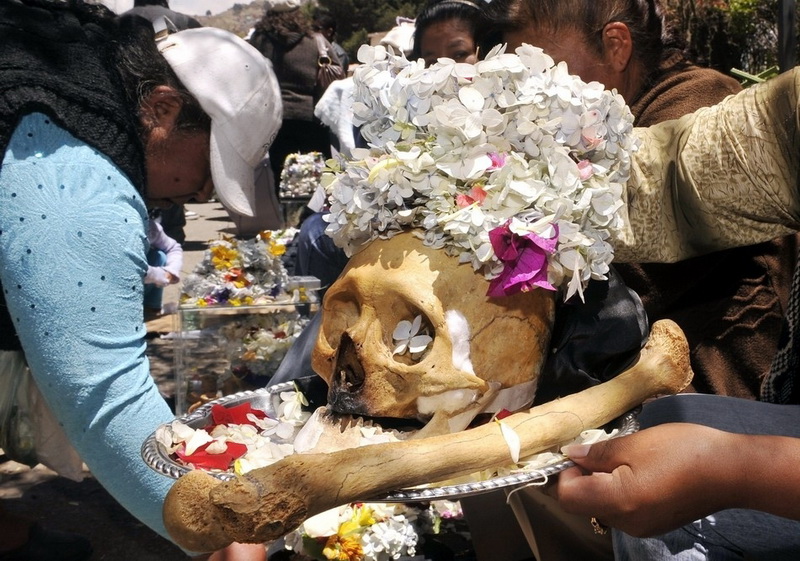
(346, 544)
(276, 249)
(238, 278)
(343, 548)
(363, 516)
(384, 164)
(223, 257)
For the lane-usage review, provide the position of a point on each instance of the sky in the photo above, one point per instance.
(191, 7)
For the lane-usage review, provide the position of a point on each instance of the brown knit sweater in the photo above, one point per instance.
(730, 304)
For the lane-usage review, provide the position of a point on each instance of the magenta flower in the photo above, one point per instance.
(524, 258)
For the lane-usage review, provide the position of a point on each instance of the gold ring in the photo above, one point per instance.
(599, 528)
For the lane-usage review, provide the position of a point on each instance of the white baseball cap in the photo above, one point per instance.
(236, 87)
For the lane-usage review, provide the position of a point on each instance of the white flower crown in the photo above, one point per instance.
(511, 164)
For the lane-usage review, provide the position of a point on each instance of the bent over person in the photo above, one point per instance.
(99, 119)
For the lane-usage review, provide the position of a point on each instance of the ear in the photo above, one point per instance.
(617, 45)
(160, 108)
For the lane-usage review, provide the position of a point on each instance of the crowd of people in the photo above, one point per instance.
(106, 118)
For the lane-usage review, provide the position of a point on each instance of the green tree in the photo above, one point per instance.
(726, 34)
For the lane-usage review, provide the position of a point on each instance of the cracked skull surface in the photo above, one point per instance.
(408, 332)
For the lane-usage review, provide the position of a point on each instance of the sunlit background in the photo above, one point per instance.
(191, 7)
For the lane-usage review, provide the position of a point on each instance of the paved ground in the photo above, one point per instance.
(85, 507)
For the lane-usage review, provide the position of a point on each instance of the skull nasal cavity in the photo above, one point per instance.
(349, 374)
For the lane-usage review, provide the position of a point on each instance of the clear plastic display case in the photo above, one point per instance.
(224, 349)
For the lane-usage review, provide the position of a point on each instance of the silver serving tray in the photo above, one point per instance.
(267, 399)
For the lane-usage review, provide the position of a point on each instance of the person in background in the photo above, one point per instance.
(101, 118)
(444, 28)
(285, 36)
(164, 264)
(173, 218)
(325, 25)
(154, 9)
(708, 477)
(447, 28)
(730, 304)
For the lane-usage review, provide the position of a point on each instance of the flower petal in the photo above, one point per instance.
(512, 440)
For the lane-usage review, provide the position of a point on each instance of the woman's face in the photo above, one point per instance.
(450, 38)
(177, 160)
(571, 47)
(178, 168)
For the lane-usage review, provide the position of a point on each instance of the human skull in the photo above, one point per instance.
(479, 344)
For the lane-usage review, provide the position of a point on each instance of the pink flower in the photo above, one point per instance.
(585, 169)
(498, 160)
(475, 195)
(525, 260)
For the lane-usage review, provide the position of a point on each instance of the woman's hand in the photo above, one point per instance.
(655, 480)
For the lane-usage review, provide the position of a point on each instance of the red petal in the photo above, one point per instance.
(236, 415)
(203, 460)
(236, 450)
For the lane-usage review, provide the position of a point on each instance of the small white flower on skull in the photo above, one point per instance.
(407, 337)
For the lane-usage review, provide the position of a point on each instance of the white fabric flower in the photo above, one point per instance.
(563, 148)
(407, 337)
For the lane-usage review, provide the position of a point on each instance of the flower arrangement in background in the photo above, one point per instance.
(510, 164)
(256, 344)
(371, 531)
(301, 175)
(240, 272)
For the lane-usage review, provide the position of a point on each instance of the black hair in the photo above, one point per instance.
(142, 68)
(467, 11)
(324, 20)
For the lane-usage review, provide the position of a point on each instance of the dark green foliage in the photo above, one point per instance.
(727, 34)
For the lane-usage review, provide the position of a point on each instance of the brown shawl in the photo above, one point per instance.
(731, 303)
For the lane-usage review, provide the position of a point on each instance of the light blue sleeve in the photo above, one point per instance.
(72, 259)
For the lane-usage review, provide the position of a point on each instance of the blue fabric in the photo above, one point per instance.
(734, 534)
(72, 260)
(730, 535)
(317, 255)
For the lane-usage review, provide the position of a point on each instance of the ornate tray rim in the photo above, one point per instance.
(156, 458)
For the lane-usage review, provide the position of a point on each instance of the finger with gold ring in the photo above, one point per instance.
(599, 528)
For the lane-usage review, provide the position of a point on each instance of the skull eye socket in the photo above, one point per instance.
(412, 339)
